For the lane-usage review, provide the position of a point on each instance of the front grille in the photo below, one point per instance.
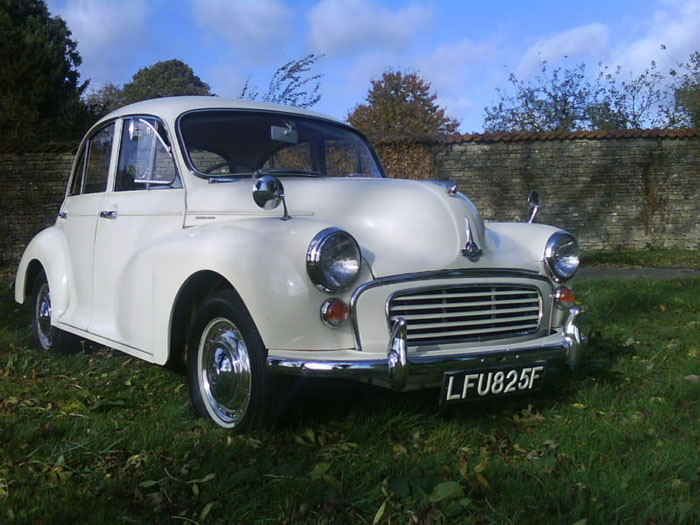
(467, 313)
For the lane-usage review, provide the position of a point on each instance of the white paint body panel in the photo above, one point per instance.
(117, 281)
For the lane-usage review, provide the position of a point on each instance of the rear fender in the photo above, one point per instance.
(48, 248)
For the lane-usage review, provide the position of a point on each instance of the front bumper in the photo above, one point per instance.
(566, 347)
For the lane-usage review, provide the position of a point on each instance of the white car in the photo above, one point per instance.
(253, 240)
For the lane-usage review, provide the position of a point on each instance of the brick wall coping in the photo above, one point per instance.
(503, 136)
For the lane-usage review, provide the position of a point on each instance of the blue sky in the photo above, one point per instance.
(465, 49)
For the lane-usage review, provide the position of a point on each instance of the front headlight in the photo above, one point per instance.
(333, 260)
(561, 255)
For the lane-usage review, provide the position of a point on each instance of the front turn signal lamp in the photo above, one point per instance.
(564, 297)
(334, 312)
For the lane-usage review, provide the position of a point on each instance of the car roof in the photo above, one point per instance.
(171, 107)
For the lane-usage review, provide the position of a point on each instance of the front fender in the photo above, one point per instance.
(49, 249)
(518, 245)
(264, 259)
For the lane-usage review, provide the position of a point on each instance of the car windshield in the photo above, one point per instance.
(225, 143)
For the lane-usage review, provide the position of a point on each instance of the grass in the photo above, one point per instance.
(104, 438)
(649, 258)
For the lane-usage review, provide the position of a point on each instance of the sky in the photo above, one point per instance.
(466, 49)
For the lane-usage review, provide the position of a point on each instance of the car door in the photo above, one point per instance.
(78, 221)
(145, 201)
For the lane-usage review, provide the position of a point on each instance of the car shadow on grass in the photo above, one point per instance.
(313, 401)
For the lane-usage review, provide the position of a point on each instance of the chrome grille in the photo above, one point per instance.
(467, 313)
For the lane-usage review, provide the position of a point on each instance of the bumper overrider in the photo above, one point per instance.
(566, 348)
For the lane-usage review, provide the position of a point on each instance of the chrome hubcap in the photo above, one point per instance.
(224, 370)
(42, 316)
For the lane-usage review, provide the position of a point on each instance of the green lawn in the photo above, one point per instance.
(649, 258)
(110, 439)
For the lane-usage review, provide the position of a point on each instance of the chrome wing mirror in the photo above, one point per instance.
(268, 192)
(533, 203)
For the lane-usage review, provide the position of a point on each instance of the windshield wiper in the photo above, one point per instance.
(286, 171)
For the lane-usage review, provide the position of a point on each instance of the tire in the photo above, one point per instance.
(226, 370)
(47, 338)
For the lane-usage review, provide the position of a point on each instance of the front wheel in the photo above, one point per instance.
(48, 338)
(226, 365)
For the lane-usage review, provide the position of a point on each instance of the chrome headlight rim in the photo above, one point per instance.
(314, 263)
(553, 258)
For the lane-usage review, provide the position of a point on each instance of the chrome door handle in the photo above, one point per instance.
(105, 214)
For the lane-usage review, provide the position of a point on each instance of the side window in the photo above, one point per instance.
(76, 187)
(344, 158)
(145, 161)
(297, 156)
(99, 151)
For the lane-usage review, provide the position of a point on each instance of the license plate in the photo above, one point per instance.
(491, 382)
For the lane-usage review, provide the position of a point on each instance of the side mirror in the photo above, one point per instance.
(268, 192)
(533, 202)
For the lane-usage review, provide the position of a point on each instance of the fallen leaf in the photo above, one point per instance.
(205, 511)
(379, 514)
(319, 470)
(446, 491)
(482, 465)
(482, 481)
(693, 378)
(154, 498)
(149, 483)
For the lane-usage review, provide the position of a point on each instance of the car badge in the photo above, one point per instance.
(471, 251)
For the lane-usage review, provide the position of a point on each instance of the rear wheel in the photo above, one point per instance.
(226, 365)
(48, 338)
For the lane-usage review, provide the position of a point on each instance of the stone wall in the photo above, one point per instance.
(623, 189)
(612, 190)
(32, 186)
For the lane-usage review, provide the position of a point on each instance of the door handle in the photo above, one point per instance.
(108, 214)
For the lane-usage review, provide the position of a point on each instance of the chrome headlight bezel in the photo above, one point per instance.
(323, 269)
(561, 256)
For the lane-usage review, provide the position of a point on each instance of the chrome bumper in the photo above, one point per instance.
(398, 371)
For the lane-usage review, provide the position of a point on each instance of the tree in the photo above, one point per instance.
(105, 99)
(687, 91)
(288, 85)
(40, 88)
(401, 104)
(163, 79)
(564, 99)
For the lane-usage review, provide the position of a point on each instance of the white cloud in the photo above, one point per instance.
(461, 73)
(675, 24)
(451, 66)
(589, 43)
(108, 33)
(349, 27)
(253, 28)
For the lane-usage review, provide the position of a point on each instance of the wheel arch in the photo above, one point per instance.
(34, 268)
(196, 288)
(46, 252)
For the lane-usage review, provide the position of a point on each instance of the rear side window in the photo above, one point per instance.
(76, 187)
(99, 153)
